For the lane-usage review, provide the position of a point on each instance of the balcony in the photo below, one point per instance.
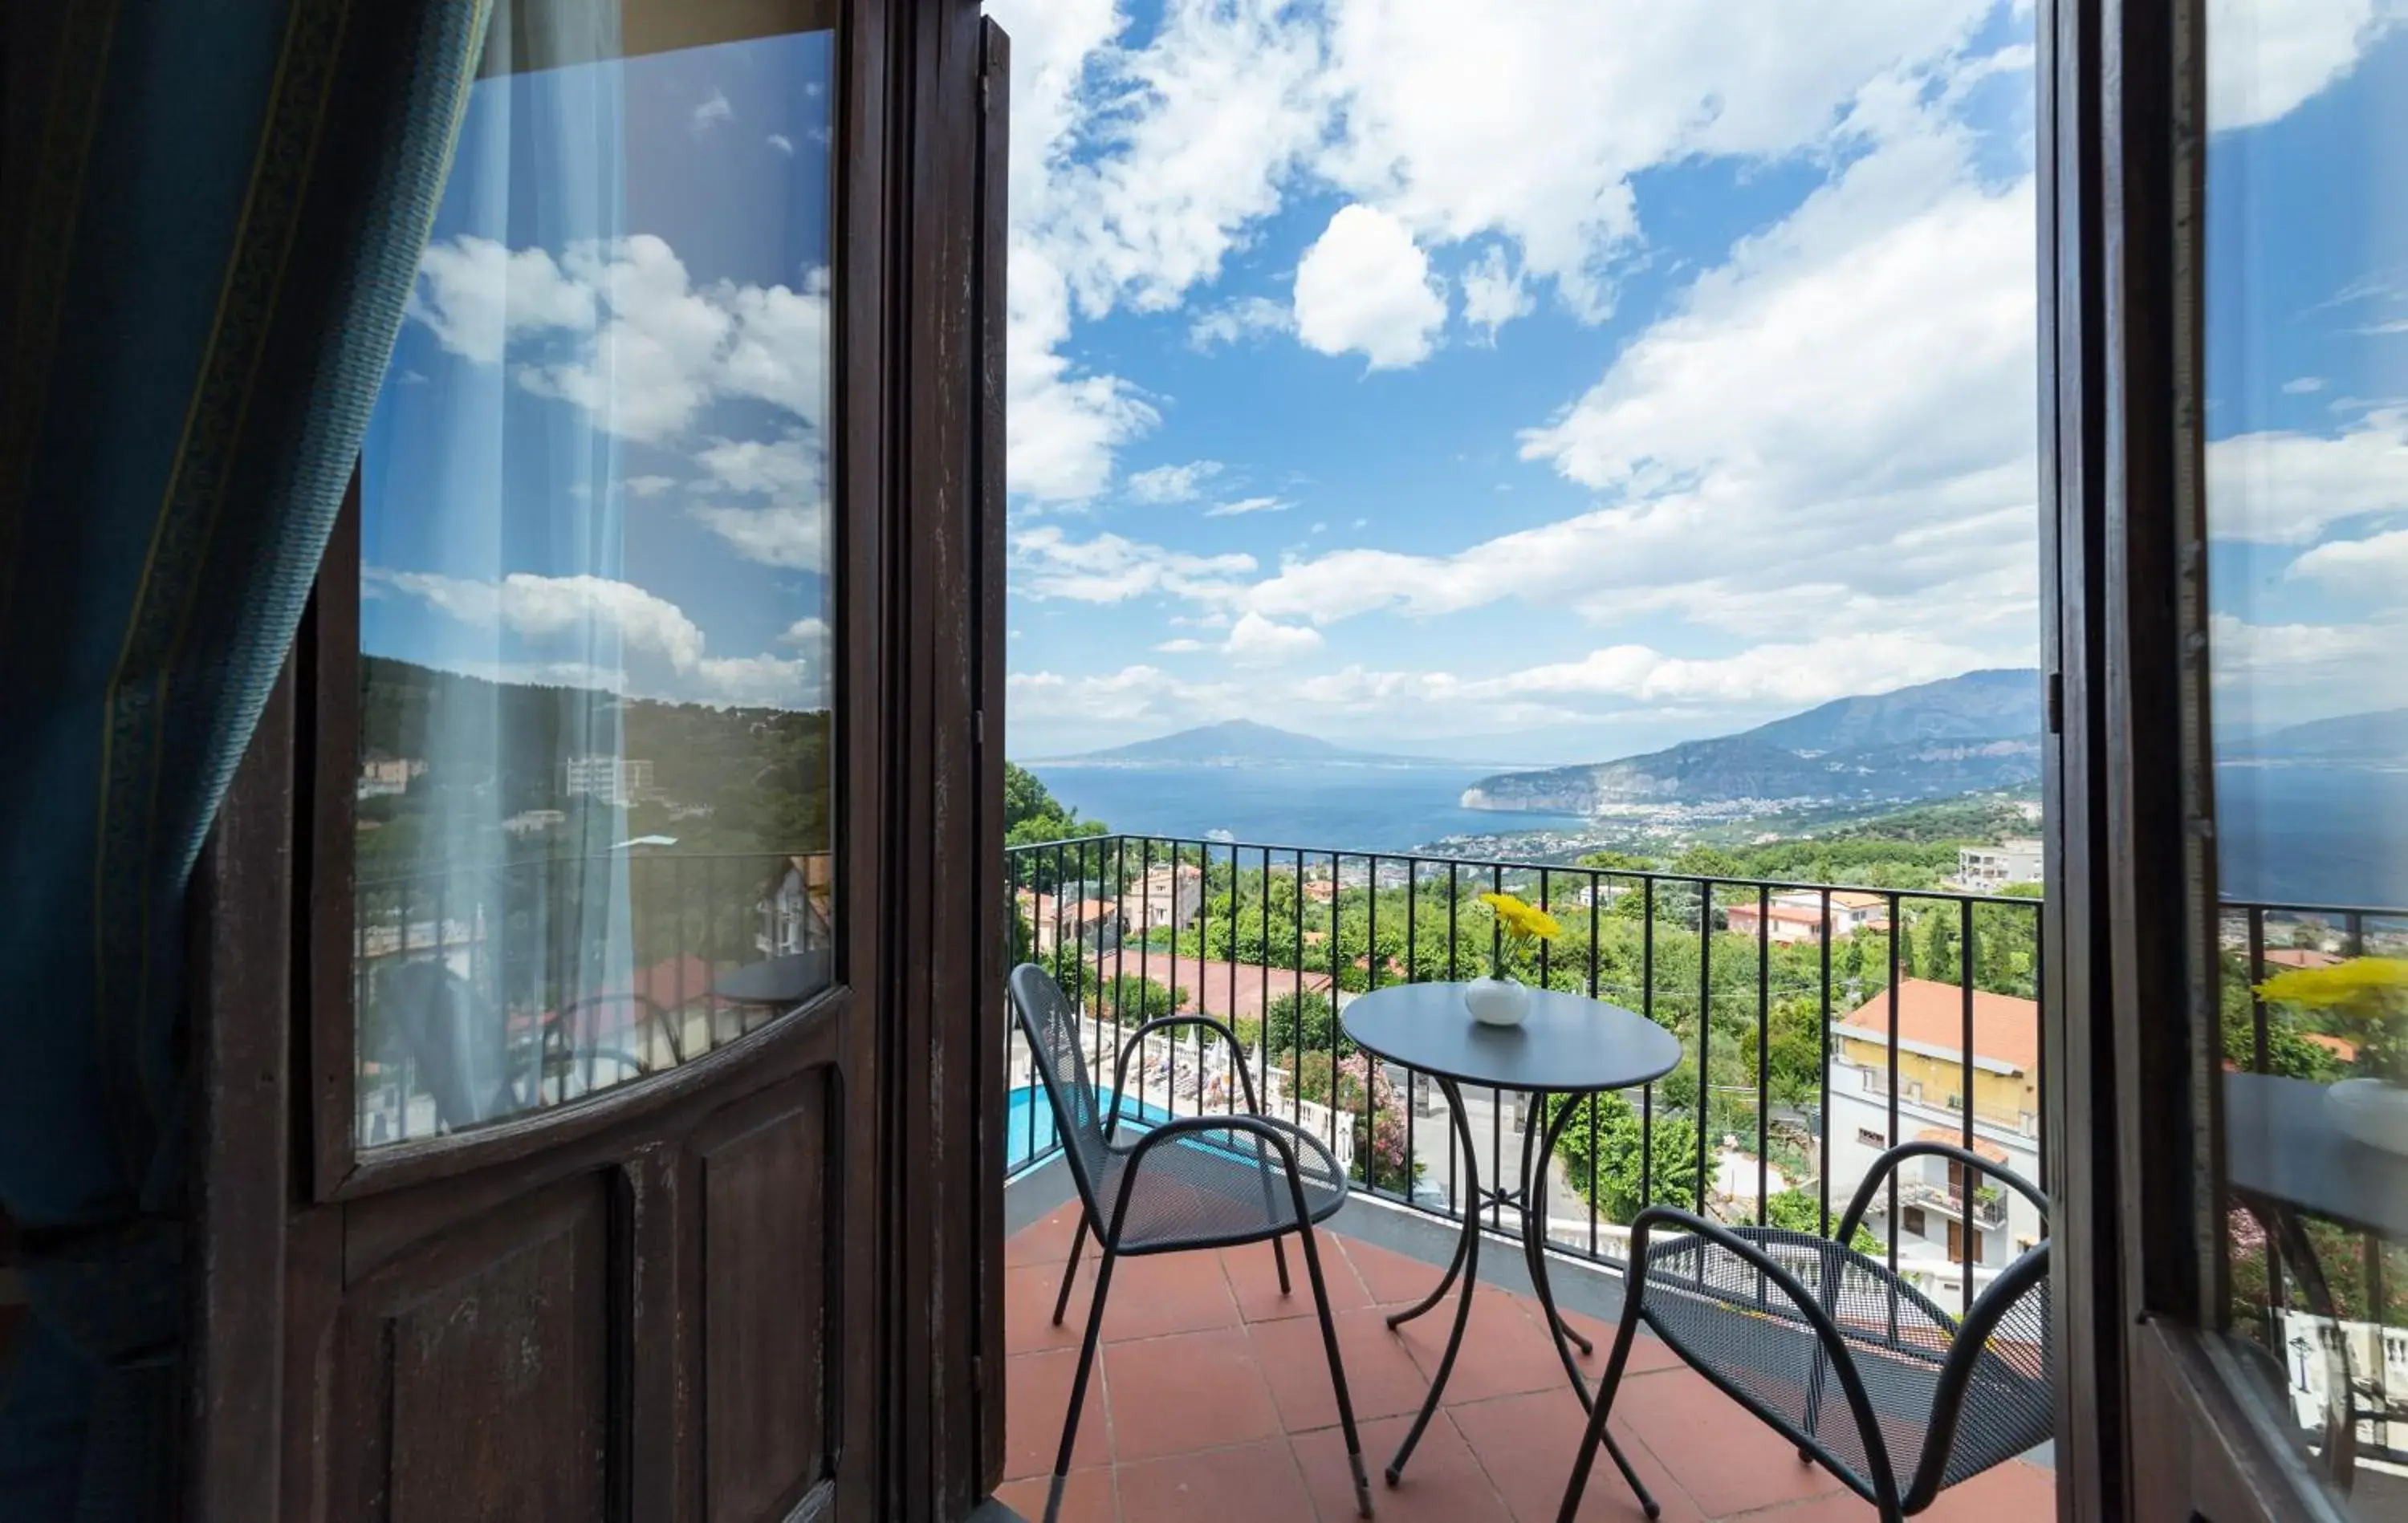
(1213, 1400)
(1988, 1208)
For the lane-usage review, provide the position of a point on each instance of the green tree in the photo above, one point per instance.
(1033, 817)
(1622, 1173)
(1800, 1211)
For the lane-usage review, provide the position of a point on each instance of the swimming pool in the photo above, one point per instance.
(1028, 1125)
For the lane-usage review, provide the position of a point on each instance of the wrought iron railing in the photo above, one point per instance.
(1276, 933)
(598, 968)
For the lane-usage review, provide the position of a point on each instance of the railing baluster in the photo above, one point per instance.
(1823, 1081)
(1965, 979)
(1763, 1049)
(1705, 1112)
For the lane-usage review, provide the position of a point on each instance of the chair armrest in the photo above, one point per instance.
(1185, 1125)
(1887, 1164)
(1810, 1311)
(1120, 1069)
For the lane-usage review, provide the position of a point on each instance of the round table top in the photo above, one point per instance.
(1568, 1044)
(2282, 1144)
(790, 979)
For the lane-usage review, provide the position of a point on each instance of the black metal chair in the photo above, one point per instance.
(1191, 1182)
(1778, 1320)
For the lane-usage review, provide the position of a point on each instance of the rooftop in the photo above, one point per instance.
(1931, 1017)
(1214, 1402)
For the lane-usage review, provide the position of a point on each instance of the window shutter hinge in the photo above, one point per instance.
(2057, 703)
(977, 726)
(977, 1374)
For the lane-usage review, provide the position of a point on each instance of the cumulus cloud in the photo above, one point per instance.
(2283, 487)
(1860, 373)
(620, 330)
(474, 293)
(551, 606)
(1110, 569)
(1494, 294)
(1244, 506)
(1257, 641)
(2375, 566)
(1239, 319)
(782, 143)
(713, 113)
(2265, 58)
(1172, 483)
(1365, 285)
(1810, 672)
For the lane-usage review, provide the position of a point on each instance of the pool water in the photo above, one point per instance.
(1028, 1125)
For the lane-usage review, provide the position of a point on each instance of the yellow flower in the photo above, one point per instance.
(1521, 921)
(2362, 985)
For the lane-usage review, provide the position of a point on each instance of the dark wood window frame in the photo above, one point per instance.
(2149, 1424)
(918, 354)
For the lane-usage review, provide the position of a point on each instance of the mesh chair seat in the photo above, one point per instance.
(1726, 1319)
(1220, 1187)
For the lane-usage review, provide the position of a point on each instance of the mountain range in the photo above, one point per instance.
(1963, 734)
(2379, 738)
(1233, 742)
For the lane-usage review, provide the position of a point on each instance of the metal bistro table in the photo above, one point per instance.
(786, 981)
(1567, 1044)
(2285, 1158)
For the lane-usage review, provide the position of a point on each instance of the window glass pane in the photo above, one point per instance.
(595, 599)
(2306, 397)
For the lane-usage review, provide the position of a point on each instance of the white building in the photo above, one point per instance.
(616, 780)
(1166, 897)
(1798, 914)
(1930, 1107)
(1989, 868)
(795, 913)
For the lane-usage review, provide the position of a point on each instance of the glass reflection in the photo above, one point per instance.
(2307, 506)
(593, 808)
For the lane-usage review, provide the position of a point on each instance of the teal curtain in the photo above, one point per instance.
(215, 218)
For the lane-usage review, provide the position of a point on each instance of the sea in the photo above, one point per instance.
(2292, 834)
(1355, 806)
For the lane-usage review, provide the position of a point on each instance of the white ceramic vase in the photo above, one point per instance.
(1496, 1001)
(2373, 1112)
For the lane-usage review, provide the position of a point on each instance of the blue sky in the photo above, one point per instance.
(1544, 382)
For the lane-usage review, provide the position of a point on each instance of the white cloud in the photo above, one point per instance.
(1493, 294)
(1132, 695)
(542, 608)
(1183, 645)
(1813, 671)
(763, 681)
(2375, 566)
(2303, 385)
(1257, 641)
(1110, 569)
(474, 295)
(812, 630)
(645, 351)
(1238, 319)
(791, 534)
(650, 486)
(1834, 431)
(1365, 285)
(713, 113)
(1248, 504)
(782, 143)
(2266, 57)
(1173, 483)
(2283, 488)
(1135, 172)
(1531, 120)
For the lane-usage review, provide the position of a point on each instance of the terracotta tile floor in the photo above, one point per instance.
(1212, 1402)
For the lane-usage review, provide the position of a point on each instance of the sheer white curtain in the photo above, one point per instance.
(513, 535)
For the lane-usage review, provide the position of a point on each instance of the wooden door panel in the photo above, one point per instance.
(475, 1376)
(771, 1223)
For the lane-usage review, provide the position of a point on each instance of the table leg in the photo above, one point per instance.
(1534, 1250)
(1538, 1146)
(1468, 1263)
